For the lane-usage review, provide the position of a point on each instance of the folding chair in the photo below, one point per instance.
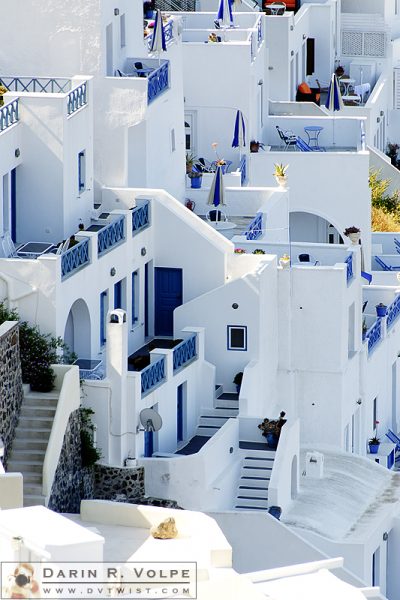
(397, 245)
(395, 439)
(385, 266)
(207, 166)
(287, 137)
(304, 147)
(9, 248)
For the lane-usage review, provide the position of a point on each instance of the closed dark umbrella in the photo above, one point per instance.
(334, 101)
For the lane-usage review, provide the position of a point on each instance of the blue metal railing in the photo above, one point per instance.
(349, 267)
(252, 53)
(243, 170)
(374, 335)
(259, 32)
(9, 114)
(158, 82)
(111, 235)
(168, 32)
(392, 313)
(75, 258)
(36, 84)
(184, 352)
(153, 375)
(77, 98)
(254, 230)
(140, 216)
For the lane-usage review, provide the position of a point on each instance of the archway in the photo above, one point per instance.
(310, 227)
(293, 486)
(77, 329)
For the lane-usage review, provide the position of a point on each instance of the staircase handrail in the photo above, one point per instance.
(67, 380)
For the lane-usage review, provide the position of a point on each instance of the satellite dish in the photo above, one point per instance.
(150, 419)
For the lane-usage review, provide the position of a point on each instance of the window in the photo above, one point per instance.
(82, 171)
(374, 413)
(103, 314)
(122, 30)
(173, 143)
(237, 337)
(119, 294)
(135, 297)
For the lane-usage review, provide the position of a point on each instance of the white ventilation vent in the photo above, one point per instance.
(396, 90)
(358, 43)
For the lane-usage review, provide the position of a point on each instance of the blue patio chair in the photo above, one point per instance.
(395, 439)
(228, 164)
(397, 245)
(304, 147)
(207, 166)
(367, 276)
(384, 266)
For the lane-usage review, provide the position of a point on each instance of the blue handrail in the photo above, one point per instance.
(140, 216)
(393, 312)
(349, 268)
(259, 32)
(168, 33)
(374, 335)
(75, 258)
(111, 235)
(152, 375)
(254, 230)
(77, 98)
(243, 170)
(36, 84)
(9, 114)
(184, 352)
(157, 82)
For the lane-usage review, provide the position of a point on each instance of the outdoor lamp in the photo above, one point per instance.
(116, 12)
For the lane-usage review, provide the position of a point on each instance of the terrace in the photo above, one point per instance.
(153, 71)
(376, 328)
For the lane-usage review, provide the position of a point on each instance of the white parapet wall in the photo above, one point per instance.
(11, 490)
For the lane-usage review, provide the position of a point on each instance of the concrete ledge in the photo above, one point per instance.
(11, 490)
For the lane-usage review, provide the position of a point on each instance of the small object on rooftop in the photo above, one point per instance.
(166, 530)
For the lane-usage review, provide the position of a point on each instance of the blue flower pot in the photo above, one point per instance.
(373, 448)
(381, 310)
(272, 440)
(196, 182)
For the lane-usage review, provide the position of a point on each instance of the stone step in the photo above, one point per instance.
(226, 412)
(32, 489)
(35, 422)
(26, 466)
(38, 433)
(33, 401)
(212, 420)
(27, 455)
(54, 395)
(33, 500)
(258, 463)
(224, 403)
(38, 411)
(32, 477)
(206, 430)
(245, 506)
(261, 503)
(23, 443)
(256, 472)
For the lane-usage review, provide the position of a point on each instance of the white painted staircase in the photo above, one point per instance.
(226, 406)
(30, 443)
(252, 491)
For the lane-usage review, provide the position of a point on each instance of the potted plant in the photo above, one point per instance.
(240, 251)
(280, 174)
(381, 309)
(195, 178)
(284, 261)
(391, 151)
(237, 380)
(353, 233)
(190, 158)
(3, 90)
(339, 71)
(258, 251)
(373, 444)
(148, 10)
(220, 162)
(255, 146)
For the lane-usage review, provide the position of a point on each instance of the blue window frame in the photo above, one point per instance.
(103, 313)
(82, 170)
(135, 296)
(237, 337)
(118, 294)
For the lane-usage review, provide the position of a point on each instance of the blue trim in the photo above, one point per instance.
(393, 312)
(36, 84)
(111, 235)
(134, 308)
(157, 82)
(349, 267)
(13, 192)
(152, 375)
(146, 299)
(77, 98)
(75, 258)
(9, 114)
(254, 230)
(374, 335)
(229, 331)
(179, 413)
(103, 298)
(81, 171)
(118, 294)
(140, 216)
(148, 444)
(184, 352)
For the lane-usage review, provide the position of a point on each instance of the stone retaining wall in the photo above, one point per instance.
(114, 482)
(11, 394)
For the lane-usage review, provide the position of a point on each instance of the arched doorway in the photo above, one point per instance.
(77, 329)
(309, 227)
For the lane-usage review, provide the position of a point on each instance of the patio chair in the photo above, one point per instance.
(307, 259)
(9, 248)
(119, 73)
(306, 94)
(228, 164)
(395, 439)
(207, 166)
(304, 147)
(216, 215)
(385, 266)
(287, 137)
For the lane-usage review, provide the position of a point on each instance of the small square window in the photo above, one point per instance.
(237, 337)
(173, 143)
(82, 171)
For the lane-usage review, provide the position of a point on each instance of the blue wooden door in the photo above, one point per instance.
(179, 413)
(148, 444)
(167, 296)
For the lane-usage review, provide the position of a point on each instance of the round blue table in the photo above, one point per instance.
(313, 132)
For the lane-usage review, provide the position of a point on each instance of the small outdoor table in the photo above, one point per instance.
(347, 83)
(34, 249)
(313, 132)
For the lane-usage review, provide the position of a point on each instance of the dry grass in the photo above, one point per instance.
(383, 221)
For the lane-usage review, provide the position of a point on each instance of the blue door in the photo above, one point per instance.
(13, 190)
(179, 413)
(167, 296)
(118, 295)
(148, 444)
(146, 299)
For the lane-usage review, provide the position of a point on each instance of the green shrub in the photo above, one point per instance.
(89, 454)
(389, 203)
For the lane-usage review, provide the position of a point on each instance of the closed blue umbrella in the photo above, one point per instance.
(158, 43)
(216, 197)
(225, 13)
(334, 100)
(239, 136)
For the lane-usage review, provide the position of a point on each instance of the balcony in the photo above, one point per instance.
(59, 85)
(152, 375)
(9, 114)
(140, 216)
(77, 98)
(75, 258)
(155, 71)
(184, 353)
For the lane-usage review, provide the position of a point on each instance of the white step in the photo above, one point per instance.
(261, 503)
(38, 411)
(244, 506)
(252, 492)
(35, 422)
(264, 454)
(224, 403)
(26, 466)
(29, 444)
(54, 395)
(259, 463)
(32, 489)
(212, 420)
(22, 455)
(30, 500)
(38, 433)
(33, 478)
(206, 431)
(33, 401)
(222, 412)
(256, 472)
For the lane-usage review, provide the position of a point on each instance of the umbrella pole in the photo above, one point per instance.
(333, 135)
